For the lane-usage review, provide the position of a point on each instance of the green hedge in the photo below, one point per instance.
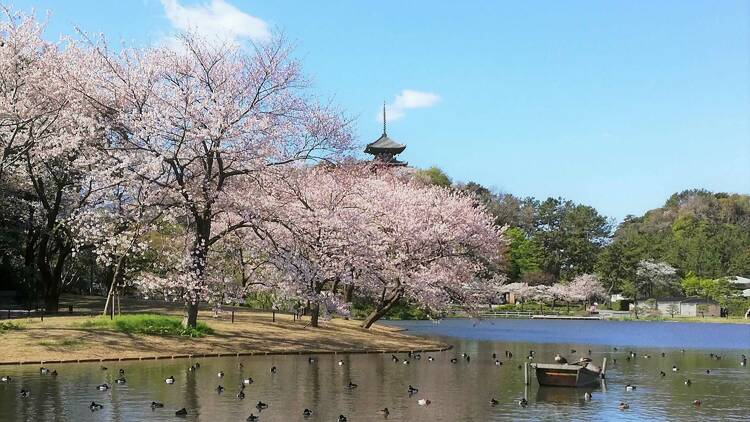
(153, 324)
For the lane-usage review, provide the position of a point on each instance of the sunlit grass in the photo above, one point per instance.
(8, 325)
(152, 324)
(68, 342)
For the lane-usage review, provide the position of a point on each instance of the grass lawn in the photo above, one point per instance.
(153, 324)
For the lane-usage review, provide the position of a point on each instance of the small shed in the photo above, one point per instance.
(688, 306)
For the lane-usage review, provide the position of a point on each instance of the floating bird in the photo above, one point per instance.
(494, 402)
(220, 374)
(53, 373)
(169, 380)
(273, 369)
(247, 381)
(24, 393)
(572, 351)
(630, 387)
(418, 356)
(468, 359)
(384, 411)
(219, 389)
(614, 348)
(412, 390)
(523, 402)
(241, 394)
(688, 382)
(121, 371)
(682, 350)
(647, 356)
(156, 404)
(103, 387)
(307, 413)
(394, 358)
(463, 355)
(423, 402)
(240, 365)
(430, 358)
(406, 362)
(5, 378)
(697, 402)
(120, 380)
(352, 385)
(510, 355)
(498, 363)
(454, 360)
(708, 371)
(623, 406)
(520, 367)
(662, 373)
(675, 369)
(181, 412)
(103, 368)
(94, 406)
(587, 396)
(261, 406)
(627, 358)
(342, 418)
(560, 359)
(192, 368)
(43, 370)
(614, 360)
(252, 418)
(589, 351)
(494, 356)
(310, 360)
(340, 363)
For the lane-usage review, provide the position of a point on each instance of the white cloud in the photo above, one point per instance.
(408, 99)
(216, 18)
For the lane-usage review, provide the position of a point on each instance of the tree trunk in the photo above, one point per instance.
(348, 293)
(191, 315)
(315, 315)
(381, 310)
(198, 267)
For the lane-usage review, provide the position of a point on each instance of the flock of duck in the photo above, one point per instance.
(411, 390)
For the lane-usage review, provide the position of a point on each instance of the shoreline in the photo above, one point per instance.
(63, 339)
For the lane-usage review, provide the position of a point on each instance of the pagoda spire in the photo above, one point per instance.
(384, 118)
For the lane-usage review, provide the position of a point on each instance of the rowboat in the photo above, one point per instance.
(577, 374)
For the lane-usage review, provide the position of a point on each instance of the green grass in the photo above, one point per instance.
(153, 324)
(71, 343)
(7, 326)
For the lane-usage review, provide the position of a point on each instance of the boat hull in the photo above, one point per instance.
(564, 375)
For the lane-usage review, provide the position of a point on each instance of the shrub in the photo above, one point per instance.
(7, 326)
(153, 324)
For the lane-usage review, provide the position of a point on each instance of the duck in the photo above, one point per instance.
(688, 382)
(6, 378)
(406, 362)
(261, 405)
(589, 351)
(252, 418)
(384, 411)
(647, 356)
(412, 389)
(240, 365)
(663, 354)
(614, 348)
(454, 360)
(24, 393)
(219, 389)
(587, 396)
(418, 356)
(510, 355)
(463, 355)
(629, 387)
(241, 394)
(342, 418)
(560, 359)
(121, 371)
(675, 369)
(623, 406)
(494, 356)
(191, 368)
(395, 358)
(103, 368)
(696, 402)
(494, 402)
(498, 363)
(181, 412)
(430, 358)
(197, 365)
(220, 374)
(103, 387)
(351, 385)
(43, 370)
(708, 372)
(662, 373)
(310, 360)
(423, 402)
(247, 381)
(572, 351)
(273, 369)
(94, 406)
(53, 373)
(120, 380)
(169, 380)
(156, 404)
(340, 363)
(523, 402)
(468, 359)
(307, 413)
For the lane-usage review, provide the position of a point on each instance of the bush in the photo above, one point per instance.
(161, 325)
(7, 326)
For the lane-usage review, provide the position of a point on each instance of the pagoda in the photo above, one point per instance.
(385, 149)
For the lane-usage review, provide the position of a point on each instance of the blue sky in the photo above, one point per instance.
(615, 104)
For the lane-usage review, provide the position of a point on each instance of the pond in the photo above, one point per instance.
(458, 391)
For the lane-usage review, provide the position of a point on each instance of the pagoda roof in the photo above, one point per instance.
(384, 144)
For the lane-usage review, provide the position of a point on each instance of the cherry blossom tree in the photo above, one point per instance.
(200, 120)
(586, 288)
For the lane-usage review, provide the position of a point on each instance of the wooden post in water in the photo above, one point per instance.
(526, 373)
(604, 367)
